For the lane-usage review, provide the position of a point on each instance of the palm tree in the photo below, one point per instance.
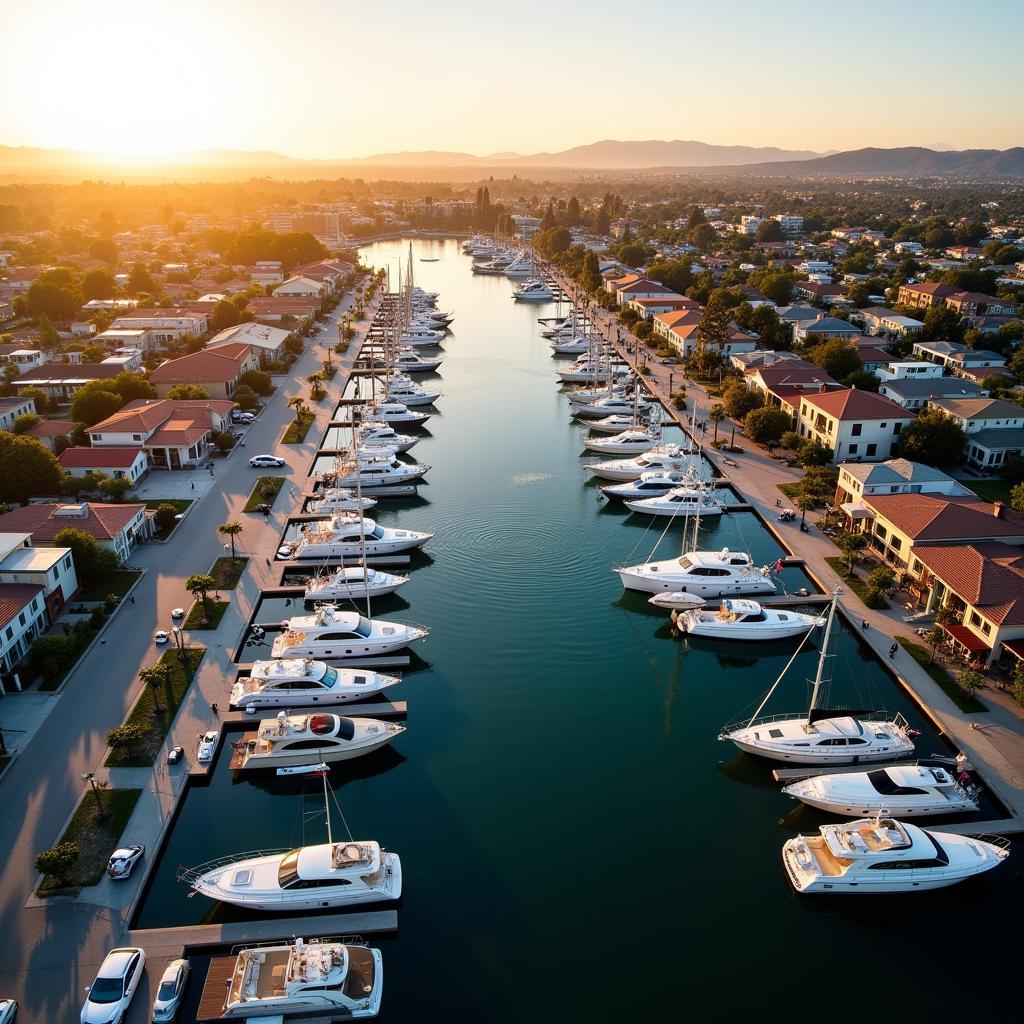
(198, 586)
(156, 678)
(716, 414)
(297, 403)
(231, 531)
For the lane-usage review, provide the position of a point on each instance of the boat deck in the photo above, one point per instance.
(238, 754)
(215, 989)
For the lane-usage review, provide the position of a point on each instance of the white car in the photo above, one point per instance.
(111, 993)
(177, 613)
(264, 461)
(8, 1011)
(170, 992)
(207, 745)
(122, 861)
(161, 636)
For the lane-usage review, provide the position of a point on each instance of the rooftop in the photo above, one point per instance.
(853, 404)
(980, 408)
(987, 576)
(894, 471)
(219, 366)
(44, 522)
(99, 458)
(14, 597)
(939, 517)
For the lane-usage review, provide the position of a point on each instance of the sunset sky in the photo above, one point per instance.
(335, 78)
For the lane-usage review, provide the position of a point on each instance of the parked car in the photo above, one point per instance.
(123, 860)
(237, 416)
(8, 1011)
(263, 461)
(175, 754)
(207, 745)
(170, 992)
(161, 636)
(111, 993)
(177, 613)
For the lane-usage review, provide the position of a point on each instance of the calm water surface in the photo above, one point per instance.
(577, 844)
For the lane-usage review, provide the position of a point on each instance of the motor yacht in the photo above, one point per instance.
(587, 396)
(743, 619)
(290, 740)
(354, 582)
(610, 405)
(907, 791)
(705, 574)
(649, 485)
(883, 855)
(533, 291)
(338, 499)
(571, 345)
(410, 394)
(299, 682)
(521, 266)
(669, 458)
(589, 371)
(393, 414)
(314, 977)
(373, 432)
(615, 423)
(350, 536)
(419, 336)
(378, 471)
(334, 634)
(410, 362)
(633, 441)
(687, 500)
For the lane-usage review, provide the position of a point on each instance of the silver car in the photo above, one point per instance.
(170, 992)
(111, 993)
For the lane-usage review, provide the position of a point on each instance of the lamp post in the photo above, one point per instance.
(90, 777)
(670, 374)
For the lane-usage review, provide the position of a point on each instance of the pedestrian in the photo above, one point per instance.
(214, 708)
(892, 650)
(268, 563)
(131, 597)
(863, 623)
(193, 485)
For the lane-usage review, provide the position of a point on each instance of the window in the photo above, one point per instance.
(871, 449)
(21, 618)
(975, 619)
(856, 430)
(853, 449)
(895, 543)
(67, 562)
(897, 427)
(9, 633)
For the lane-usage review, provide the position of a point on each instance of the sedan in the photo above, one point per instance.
(161, 636)
(122, 861)
(111, 993)
(170, 992)
(207, 745)
(177, 613)
(265, 461)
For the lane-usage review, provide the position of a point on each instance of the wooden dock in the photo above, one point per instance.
(372, 560)
(810, 772)
(794, 601)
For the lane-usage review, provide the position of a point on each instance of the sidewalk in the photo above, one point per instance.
(994, 740)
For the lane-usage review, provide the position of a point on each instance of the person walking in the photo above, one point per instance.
(892, 650)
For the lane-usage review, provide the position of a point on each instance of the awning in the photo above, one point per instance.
(1015, 647)
(855, 511)
(963, 636)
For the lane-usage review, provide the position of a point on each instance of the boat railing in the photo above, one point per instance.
(895, 719)
(192, 875)
(1000, 842)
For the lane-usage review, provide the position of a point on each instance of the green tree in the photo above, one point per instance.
(224, 440)
(49, 339)
(836, 357)
(40, 398)
(297, 403)
(59, 861)
(187, 392)
(225, 314)
(95, 402)
(140, 280)
(716, 414)
(98, 284)
(806, 503)
(882, 578)
(165, 517)
(199, 586)
(156, 677)
(941, 323)
(57, 302)
(104, 249)
(971, 681)
(230, 530)
(674, 274)
(125, 738)
(703, 237)
(114, 488)
(814, 453)
(30, 469)
(739, 399)
(766, 425)
(1017, 498)
(776, 285)
(293, 344)
(92, 561)
(26, 421)
(131, 386)
(934, 439)
(851, 544)
(771, 231)
(935, 636)
(695, 217)
(572, 211)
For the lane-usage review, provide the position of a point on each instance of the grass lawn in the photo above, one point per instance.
(181, 504)
(228, 571)
(197, 614)
(791, 491)
(991, 490)
(949, 685)
(181, 676)
(116, 583)
(854, 582)
(97, 837)
(257, 498)
(298, 429)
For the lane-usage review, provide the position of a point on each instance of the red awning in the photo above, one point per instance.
(963, 636)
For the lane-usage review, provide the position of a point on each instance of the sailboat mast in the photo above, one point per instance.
(327, 810)
(822, 656)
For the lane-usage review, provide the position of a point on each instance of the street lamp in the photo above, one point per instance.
(90, 777)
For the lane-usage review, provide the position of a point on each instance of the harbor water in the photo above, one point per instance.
(576, 842)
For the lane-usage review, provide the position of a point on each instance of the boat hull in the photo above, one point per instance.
(888, 805)
(337, 650)
(739, 632)
(661, 581)
(290, 759)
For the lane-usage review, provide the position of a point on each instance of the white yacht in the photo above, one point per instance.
(688, 500)
(533, 291)
(333, 634)
(410, 362)
(677, 601)
(909, 791)
(822, 736)
(351, 536)
(742, 619)
(590, 371)
(290, 740)
(633, 441)
(574, 321)
(610, 405)
(585, 396)
(305, 978)
(395, 414)
(338, 499)
(616, 423)
(421, 336)
(571, 345)
(299, 682)
(410, 394)
(668, 458)
(375, 432)
(378, 471)
(521, 266)
(649, 485)
(883, 855)
(705, 574)
(352, 581)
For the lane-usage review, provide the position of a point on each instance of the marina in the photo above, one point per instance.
(530, 631)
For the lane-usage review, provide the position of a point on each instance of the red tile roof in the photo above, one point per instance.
(14, 597)
(218, 366)
(144, 415)
(99, 458)
(104, 522)
(988, 576)
(51, 428)
(852, 404)
(950, 517)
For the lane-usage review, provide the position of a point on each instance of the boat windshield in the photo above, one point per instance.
(330, 677)
(376, 533)
(288, 870)
(883, 783)
(364, 627)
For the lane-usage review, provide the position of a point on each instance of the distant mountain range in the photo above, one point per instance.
(608, 155)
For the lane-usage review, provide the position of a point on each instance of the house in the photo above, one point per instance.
(994, 428)
(684, 338)
(12, 408)
(52, 569)
(267, 342)
(824, 328)
(668, 303)
(923, 295)
(6, 312)
(664, 323)
(871, 358)
(854, 424)
(791, 223)
(284, 310)
(784, 384)
(766, 357)
(879, 320)
(963, 252)
(117, 528)
(61, 380)
(980, 304)
(23, 358)
(217, 370)
(22, 619)
(265, 275)
(145, 339)
(120, 463)
(642, 288)
(858, 480)
(335, 274)
(298, 285)
(983, 584)
(959, 358)
(47, 431)
(913, 391)
(168, 325)
(815, 291)
(798, 316)
(175, 434)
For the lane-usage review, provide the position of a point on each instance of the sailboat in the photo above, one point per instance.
(822, 736)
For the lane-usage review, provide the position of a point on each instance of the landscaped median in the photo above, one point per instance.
(147, 723)
(298, 428)
(80, 856)
(264, 492)
(166, 520)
